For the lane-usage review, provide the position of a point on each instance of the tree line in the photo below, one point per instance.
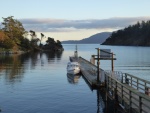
(13, 37)
(133, 35)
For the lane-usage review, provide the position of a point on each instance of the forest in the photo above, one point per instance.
(133, 35)
(14, 38)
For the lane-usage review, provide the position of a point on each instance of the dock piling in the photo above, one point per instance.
(98, 63)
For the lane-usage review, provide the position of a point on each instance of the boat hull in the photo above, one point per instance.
(73, 68)
(73, 71)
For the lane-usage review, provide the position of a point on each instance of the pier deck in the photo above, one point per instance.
(89, 72)
(129, 91)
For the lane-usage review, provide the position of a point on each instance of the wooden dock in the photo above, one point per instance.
(129, 91)
(89, 72)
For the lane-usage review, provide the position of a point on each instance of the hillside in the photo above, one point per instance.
(133, 35)
(94, 39)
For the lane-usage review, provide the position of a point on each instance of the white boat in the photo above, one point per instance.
(73, 68)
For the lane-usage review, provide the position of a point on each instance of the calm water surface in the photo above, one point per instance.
(38, 83)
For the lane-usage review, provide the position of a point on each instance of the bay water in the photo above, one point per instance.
(38, 82)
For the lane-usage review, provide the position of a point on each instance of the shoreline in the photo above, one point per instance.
(11, 52)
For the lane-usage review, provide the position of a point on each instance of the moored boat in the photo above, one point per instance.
(73, 68)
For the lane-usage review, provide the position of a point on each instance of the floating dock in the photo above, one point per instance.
(130, 92)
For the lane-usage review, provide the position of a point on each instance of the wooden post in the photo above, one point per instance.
(98, 101)
(140, 104)
(92, 59)
(121, 94)
(126, 79)
(98, 63)
(147, 91)
(137, 84)
(130, 102)
(112, 63)
(116, 95)
(131, 81)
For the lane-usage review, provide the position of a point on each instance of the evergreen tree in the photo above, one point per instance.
(135, 35)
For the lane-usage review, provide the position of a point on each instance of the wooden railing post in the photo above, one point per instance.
(147, 91)
(111, 86)
(131, 81)
(140, 104)
(126, 79)
(137, 84)
(121, 94)
(130, 102)
(105, 81)
(115, 92)
(98, 63)
(145, 87)
(112, 62)
(122, 79)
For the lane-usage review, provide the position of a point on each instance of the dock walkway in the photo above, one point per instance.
(89, 72)
(129, 91)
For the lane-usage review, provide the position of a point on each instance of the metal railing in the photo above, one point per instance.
(133, 81)
(127, 96)
(137, 83)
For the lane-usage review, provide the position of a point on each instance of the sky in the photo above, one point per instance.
(75, 19)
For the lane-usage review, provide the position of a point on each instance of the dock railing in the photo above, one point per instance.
(133, 81)
(127, 90)
(138, 83)
(128, 97)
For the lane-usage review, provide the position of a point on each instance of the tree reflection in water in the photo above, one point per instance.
(13, 67)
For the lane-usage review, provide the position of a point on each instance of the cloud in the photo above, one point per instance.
(62, 25)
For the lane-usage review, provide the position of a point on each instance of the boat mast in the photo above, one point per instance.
(76, 52)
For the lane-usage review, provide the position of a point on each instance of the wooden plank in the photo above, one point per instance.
(89, 72)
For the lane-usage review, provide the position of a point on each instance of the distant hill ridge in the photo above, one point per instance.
(94, 39)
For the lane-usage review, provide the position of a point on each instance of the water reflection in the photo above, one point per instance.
(104, 104)
(100, 102)
(13, 67)
(51, 56)
(73, 79)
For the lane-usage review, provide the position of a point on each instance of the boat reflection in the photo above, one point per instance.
(73, 79)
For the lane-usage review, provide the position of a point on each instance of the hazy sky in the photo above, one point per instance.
(75, 19)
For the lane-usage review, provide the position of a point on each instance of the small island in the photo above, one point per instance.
(14, 39)
(134, 35)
